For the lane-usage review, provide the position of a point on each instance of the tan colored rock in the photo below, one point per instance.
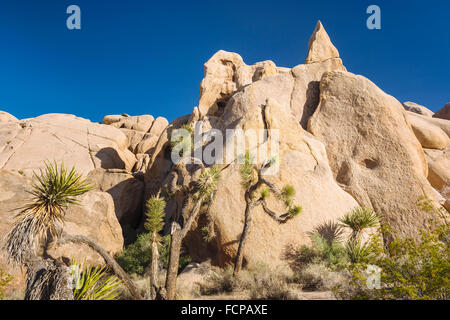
(158, 126)
(303, 164)
(439, 171)
(429, 135)
(297, 91)
(372, 150)
(225, 74)
(417, 108)
(218, 83)
(126, 191)
(5, 117)
(444, 113)
(139, 123)
(110, 119)
(25, 145)
(94, 218)
(320, 47)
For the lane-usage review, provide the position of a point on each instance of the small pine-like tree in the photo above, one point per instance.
(154, 224)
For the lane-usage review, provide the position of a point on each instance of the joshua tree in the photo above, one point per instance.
(198, 193)
(53, 191)
(257, 190)
(358, 220)
(154, 224)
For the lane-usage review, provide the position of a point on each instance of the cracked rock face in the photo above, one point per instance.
(26, 144)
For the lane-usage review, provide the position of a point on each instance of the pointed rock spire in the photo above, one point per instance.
(320, 47)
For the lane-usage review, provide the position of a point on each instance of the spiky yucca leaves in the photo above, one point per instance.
(206, 184)
(359, 219)
(248, 171)
(155, 214)
(357, 251)
(54, 189)
(93, 283)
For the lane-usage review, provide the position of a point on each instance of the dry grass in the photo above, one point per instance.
(317, 276)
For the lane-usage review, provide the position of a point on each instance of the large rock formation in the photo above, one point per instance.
(26, 144)
(428, 133)
(372, 150)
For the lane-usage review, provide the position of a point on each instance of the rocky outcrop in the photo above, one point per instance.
(417, 108)
(372, 150)
(26, 144)
(439, 172)
(94, 218)
(444, 113)
(429, 135)
(303, 165)
(142, 131)
(126, 191)
(6, 117)
(226, 73)
(320, 47)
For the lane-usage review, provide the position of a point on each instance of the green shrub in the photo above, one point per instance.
(411, 269)
(136, 257)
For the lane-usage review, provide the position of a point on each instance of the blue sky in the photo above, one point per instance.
(146, 57)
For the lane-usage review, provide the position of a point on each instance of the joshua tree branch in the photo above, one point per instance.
(65, 237)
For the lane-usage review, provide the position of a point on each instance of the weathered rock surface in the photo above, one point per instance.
(26, 144)
(226, 73)
(304, 165)
(320, 47)
(444, 113)
(429, 135)
(417, 108)
(372, 150)
(94, 218)
(5, 117)
(142, 131)
(439, 172)
(126, 191)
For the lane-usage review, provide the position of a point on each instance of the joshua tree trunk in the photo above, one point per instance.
(175, 249)
(174, 259)
(243, 239)
(47, 280)
(154, 286)
(64, 237)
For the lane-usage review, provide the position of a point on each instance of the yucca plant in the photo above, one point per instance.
(94, 283)
(53, 191)
(357, 251)
(154, 224)
(358, 220)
